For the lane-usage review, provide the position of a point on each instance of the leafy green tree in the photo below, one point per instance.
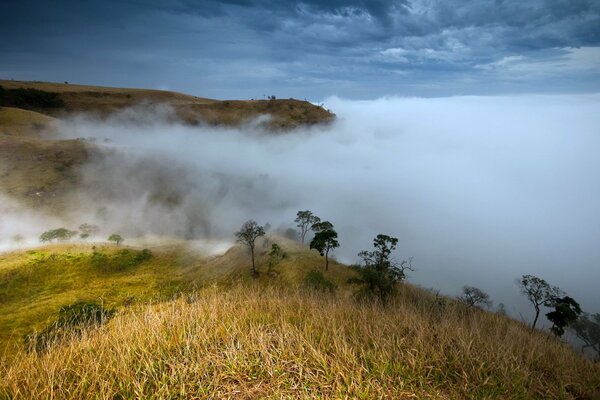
(325, 240)
(115, 237)
(60, 234)
(587, 328)
(379, 274)
(538, 292)
(566, 311)
(475, 297)
(247, 235)
(305, 220)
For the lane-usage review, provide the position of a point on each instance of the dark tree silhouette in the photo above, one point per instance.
(539, 293)
(566, 311)
(247, 235)
(325, 239)
(115, 237)
(379, 274)
(305, 220)
(475, 297)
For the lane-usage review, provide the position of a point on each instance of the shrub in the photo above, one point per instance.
(315, 280)
(121, 260)
(71, 321)
(29, 98)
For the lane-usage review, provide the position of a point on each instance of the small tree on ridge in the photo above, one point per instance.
(247, 235)
(325, 240)
(305, 220)
(539, 293)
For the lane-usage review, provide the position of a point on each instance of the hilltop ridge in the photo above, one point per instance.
(102, 101)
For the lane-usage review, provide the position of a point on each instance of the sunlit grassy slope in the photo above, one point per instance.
(35, 283)
(194, 326)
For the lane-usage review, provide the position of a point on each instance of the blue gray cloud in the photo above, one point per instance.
(353, 48)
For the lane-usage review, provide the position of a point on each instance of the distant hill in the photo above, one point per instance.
(59, 99)
(40, 170)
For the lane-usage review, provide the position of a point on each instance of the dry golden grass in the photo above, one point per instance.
(17, 122)
(257, 341)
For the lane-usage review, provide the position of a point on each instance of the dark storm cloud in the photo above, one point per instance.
(240, 48)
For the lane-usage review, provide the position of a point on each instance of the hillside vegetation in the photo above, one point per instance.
(189, 325)
(36, 283)
(260, 341)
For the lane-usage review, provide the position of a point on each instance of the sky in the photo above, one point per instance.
(310, 49)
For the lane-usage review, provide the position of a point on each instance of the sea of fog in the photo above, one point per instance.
(479, 190)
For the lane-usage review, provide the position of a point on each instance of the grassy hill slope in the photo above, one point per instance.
(265, 338)
(38, 170)
(103, 101)
(253, 341)
(36, 283)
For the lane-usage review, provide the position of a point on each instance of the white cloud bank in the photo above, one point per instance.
(480, 190)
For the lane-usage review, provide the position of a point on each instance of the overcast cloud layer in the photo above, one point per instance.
(307, 49)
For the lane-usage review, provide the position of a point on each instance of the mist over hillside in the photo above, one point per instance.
(480, 190)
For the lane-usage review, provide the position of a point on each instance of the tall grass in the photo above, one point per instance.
(254, 342)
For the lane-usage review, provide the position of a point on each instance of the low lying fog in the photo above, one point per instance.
(480, 190)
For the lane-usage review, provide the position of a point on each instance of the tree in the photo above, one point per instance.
(118, 239)
(379, 273)
(305, 220)
(539, 293)
(587, 328)
(475, 297)
(60, 234)
(325, 240)
(247, 235)
(275, 256)
(566, 311)
(87, 230)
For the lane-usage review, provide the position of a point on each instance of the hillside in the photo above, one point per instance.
(190, 324)
(36, 283)
(36, 169)
(59, 100)
(40, 170)
(252, 341)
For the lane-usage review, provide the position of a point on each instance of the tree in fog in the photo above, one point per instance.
(115, 237)
(475, 297)
(566, 311)
(60, 234)
(304, 221)
(539, 293)
(87, 230)
(379, 273)
(275, 256)
(325, 239)
(247, 235)
(587, 328)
